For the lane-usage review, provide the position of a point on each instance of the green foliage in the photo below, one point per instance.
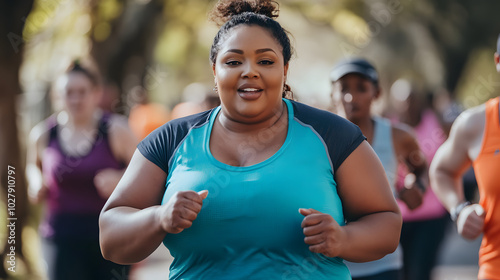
(432, 39)
(43, 11)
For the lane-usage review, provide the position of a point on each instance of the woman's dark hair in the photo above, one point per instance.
(77, 67)
(231, 13)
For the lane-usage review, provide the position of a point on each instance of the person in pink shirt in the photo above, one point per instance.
(424, 227)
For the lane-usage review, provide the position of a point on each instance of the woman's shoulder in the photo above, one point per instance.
(160, 144)
(340, 136)
(322, 119)
(184, 124)
(193, 120)
(307, 111)
(178, 128)
(40, 133)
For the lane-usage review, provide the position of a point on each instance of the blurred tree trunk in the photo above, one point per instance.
(124, 57)
(12, 17)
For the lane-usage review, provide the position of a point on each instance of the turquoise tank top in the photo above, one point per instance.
(249, 226)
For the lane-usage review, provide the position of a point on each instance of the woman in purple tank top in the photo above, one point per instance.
(75, 159)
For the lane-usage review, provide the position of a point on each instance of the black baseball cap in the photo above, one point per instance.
(354, 65)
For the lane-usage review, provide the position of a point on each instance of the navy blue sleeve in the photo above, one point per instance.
(340, 135)
(160, 145)
(155, 146)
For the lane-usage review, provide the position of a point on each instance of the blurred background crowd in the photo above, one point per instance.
(152, 57)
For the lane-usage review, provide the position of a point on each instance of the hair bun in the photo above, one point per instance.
(87, 66)
(225, 9)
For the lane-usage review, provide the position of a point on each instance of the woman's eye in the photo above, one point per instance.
(233, 62)
(266, 62)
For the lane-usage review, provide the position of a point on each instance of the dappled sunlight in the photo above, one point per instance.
(162, 48)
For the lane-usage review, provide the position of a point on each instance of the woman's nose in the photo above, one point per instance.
(250, 71)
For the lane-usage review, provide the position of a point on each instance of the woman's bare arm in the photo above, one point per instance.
(129, 226)
(133, 223)
(374, 221)
(408, 152)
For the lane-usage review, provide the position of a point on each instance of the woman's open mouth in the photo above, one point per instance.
(250, 93)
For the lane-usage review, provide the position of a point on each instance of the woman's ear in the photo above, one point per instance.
(286, 70)
(213, 69)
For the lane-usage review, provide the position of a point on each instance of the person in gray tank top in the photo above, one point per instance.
(355, 86)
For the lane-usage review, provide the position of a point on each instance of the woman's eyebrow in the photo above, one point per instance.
(238, 51)
(235, 51)
(264, 50)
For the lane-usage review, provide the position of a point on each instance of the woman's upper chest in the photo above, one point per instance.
(246, 149)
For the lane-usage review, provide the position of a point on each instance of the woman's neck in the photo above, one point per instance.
(274, 122)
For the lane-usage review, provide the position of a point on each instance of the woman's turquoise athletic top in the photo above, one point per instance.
(249, 226)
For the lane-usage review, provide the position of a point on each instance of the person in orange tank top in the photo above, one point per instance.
(474, 139)
(145, 115)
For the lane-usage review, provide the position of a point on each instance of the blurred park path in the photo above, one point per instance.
(156, 266)
(458, 259)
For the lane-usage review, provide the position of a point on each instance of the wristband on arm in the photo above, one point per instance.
(455, 211)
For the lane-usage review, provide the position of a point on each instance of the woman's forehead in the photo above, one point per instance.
(76, 78)
(250, 37)
(72, 79)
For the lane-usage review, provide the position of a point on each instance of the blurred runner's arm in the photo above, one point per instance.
(38, 139)
(450, 163)
(123, 143)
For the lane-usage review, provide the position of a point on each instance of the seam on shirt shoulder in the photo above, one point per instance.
(320, 138)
